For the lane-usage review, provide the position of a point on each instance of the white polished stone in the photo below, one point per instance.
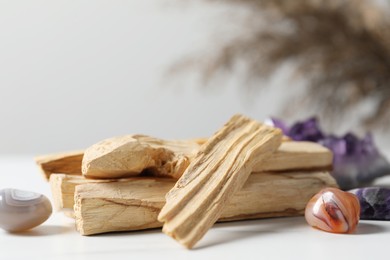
(21, 210)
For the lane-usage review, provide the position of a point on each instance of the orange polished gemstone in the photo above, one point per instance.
(333, 210)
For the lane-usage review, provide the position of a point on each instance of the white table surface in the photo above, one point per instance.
(280, 238)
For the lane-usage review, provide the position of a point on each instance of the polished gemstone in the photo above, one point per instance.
(333, 210)
(374, 202)
(22, 210)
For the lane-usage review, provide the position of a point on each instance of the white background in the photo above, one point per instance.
(75, 72)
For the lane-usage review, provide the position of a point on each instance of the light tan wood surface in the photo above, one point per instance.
(134, 204)
(289, 156)
(63, 188)
(297, 156)
(220, 169)
(68, 162)
(130, 155)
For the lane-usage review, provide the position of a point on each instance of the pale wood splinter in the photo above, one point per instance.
(220, 169)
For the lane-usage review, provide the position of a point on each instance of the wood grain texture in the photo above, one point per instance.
(220, 169)
(290, 156)
(68, 162)
(130, 155)
(63, 188)
(135, 204)
(297, 156)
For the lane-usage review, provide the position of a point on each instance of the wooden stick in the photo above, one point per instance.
(68, 162)
(289, 156)
(71, 162)
(220, 169)
(292, 156)
(134, 204)
(63, 187)
(130, 155)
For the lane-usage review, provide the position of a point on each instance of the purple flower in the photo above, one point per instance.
(356, 162)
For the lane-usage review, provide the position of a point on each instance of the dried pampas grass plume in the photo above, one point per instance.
(340, 47)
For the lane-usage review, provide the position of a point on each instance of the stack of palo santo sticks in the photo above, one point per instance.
(246, 170)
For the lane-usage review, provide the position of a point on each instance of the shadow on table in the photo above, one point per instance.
(251, 228)
(45, 230)
(127, 233)
(228, 232)
(369, 228)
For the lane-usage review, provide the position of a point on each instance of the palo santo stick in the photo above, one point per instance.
(135, 204)
(69, 163)
(130, 155)
(289, 156)
(63, 189)
(297, 156)
(219, 170)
